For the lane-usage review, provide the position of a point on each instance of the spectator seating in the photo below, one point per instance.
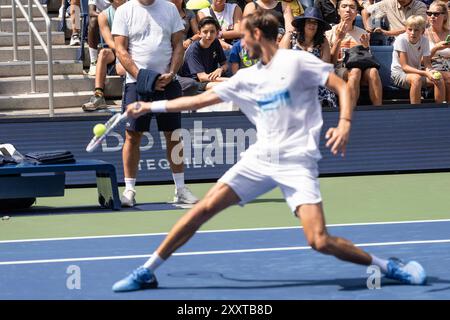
(376, 39)
(383, 54)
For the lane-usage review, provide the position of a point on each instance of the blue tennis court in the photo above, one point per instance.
(266, 263)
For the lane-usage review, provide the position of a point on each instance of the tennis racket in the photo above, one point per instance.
(110, 125)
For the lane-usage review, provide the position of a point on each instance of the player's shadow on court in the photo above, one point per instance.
(277, 200)
(37, 210)
(345, 284)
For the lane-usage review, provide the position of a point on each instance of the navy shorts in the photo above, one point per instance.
(166, 121)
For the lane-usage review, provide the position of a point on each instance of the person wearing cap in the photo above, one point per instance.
(310, 36)
(344, 36)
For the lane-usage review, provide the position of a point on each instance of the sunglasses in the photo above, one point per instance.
(436, 14)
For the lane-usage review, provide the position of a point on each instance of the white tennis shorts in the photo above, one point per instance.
(251, 177)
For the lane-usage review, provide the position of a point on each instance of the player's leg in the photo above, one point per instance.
(313, 220)
(220, 197)
(241, 184)
(300, 187)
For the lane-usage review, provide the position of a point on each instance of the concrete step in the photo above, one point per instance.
(40, 100)
(114, 106)
(22, 24)
(53, 5)
(60, 52)
(6, 38)
(22, 68)
(61, 83)
(8, 2)
(6, 11)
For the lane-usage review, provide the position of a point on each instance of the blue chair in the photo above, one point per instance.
(359, 22)
(376, 39)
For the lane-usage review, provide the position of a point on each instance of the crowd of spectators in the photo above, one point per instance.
(417, 31)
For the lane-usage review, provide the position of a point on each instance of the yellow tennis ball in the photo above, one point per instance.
(99, 129)
(437, 75)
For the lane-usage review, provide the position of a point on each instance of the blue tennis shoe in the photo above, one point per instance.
(410, 273)
(139, 279)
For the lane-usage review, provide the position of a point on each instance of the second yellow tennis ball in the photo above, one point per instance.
(99, 129)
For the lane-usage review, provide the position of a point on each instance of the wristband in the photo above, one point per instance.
(349, 120)
(158, 106)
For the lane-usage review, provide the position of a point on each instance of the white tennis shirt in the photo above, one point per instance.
(281, 100)
(149, 30)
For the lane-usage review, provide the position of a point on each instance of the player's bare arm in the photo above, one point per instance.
(181, 104)
(338, 137)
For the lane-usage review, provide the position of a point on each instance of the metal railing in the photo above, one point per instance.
(46, 47)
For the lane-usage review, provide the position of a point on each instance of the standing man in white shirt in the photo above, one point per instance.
(280, 96)
(148, 34)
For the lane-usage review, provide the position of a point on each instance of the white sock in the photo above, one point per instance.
(130, 183)
(93, 53)
(154, 262)
(380, 263)
(178, 178)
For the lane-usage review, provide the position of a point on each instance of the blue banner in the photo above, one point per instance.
(389, 139)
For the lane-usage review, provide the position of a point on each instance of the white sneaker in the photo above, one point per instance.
(93, 68)
(75, 40)
(184, 196)
(127, 198)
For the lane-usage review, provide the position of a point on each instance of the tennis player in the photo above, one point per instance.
(279, 95)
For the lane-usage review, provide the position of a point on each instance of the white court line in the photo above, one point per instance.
(224, 230)
(195, 253)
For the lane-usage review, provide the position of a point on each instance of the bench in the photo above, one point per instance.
(27, 180)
